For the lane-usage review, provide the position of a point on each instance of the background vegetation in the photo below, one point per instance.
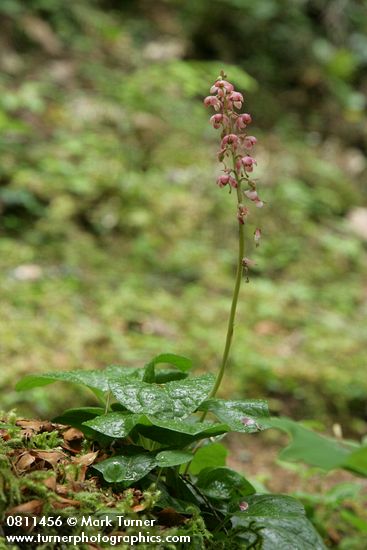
(116, 242)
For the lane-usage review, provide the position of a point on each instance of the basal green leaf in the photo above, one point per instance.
(310, 447)
(166, 459)
(242, 416)
(178, 433)
(97, 379)
(126, 468)
(203, 429)
(172, 400)
(115, 424)
(183, 364)
(166, 375)
(275, 521)
(78, 415)
(210, 456)
(223, 484)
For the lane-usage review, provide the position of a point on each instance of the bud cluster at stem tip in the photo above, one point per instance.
(235, 148)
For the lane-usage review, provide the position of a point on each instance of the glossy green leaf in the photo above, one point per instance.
(169, 458)
(276, 522)
(223, 484)
(183, 364)
(178, 433)
(242, 416)
(75, 417)
(119, 469)
(310, 447)
(204, 429)
(172, 400)
(210, 456)
(97, 379)
(166, 375)
(115, 424)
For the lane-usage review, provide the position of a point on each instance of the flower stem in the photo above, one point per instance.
(232, 314)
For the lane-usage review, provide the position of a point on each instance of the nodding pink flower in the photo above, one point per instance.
(247, 162)
(254, 197)
(249, 141)
(243, 120)
(251, 194)
(225, 179)
(257, 236)
(230, 139)
(237, 99)
(246, 262)
(218, 120)
(212, 101)
(221, 87)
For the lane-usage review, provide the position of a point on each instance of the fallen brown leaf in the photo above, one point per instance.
(73, 439)
(171, 518)
(50, 482)
(63, 502)
(24, 462)
(4, 434)
(138, 508)
(72, 434)
(33, 507)
(52, 457)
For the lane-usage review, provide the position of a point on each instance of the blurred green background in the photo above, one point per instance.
(116, 244)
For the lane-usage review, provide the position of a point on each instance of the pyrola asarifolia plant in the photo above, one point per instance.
(238, 164)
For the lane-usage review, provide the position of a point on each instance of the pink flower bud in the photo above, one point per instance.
(257, 236)
(243, 120)
(258, 203)
(230, 139)
(246, 420)
(221, 87)
(243, 506)
(225, 179)
(247, 162)
(242, 213)
(249, 142)
(217, 120)
(237, 99)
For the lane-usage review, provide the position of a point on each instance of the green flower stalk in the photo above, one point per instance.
(238, 164)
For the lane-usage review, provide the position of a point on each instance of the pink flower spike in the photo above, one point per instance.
(230, 139)
(218, 120)
(237, 99)
(257, 235)
(212, 101)
(243, 120)
(249, 141)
